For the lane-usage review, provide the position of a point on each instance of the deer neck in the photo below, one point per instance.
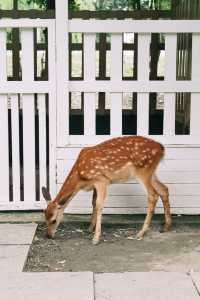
(69, 188)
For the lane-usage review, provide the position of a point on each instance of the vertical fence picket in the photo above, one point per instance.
(195, 97)
(54, 106)
(4, 151)
(27, 58)
(143, 75)
(15, 147)
(116, 76)
(3, 72)
(42, 141)
(29, 149)
(170, 75)
(89, 75)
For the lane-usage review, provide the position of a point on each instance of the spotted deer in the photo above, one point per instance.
(116, 160)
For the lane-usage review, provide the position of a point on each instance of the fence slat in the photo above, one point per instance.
(143, 75)
(195, 56)
(27, 58)
(90, 114)
(116, 57)
(143, 56)
(29, 148)
(4, 150)
(143, 113)
(169, 114)
(116, 75)
(3, 71)
(194, 114)
(89, 56)
(15, 148)
(41, 101)
(116, 113)
(170, 57)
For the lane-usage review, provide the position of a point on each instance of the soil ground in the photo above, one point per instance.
(118, 251)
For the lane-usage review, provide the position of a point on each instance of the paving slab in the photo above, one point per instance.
(196, 279)
(51, 286)
(148, 286)
(13, 257)
(17, 234)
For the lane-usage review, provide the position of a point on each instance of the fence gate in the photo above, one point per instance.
(46, 121)
(27, 116)
(92, 107)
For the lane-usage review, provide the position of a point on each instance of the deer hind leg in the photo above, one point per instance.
(162, 191)
(94, 215)
(101, 189)
(152, 200)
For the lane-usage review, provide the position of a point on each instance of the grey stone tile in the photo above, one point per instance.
(148, 286)
(51, 286)
(17, 234)
(12, 257)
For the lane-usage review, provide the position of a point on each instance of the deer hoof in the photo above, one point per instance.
(140, 236)
(95, 242)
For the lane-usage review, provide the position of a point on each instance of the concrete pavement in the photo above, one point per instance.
(15, 240)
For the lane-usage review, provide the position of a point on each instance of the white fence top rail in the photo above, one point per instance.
(152, 26)
(25, 23)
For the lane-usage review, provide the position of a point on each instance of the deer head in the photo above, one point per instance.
(53, 213)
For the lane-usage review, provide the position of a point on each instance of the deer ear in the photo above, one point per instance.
(46, 194)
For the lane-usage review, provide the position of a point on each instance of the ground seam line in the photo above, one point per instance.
(94, 286)
(194, 284)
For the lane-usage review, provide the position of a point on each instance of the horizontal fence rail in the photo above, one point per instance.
(116, 85)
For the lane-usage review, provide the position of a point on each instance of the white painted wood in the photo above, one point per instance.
(42, 141)
(15, 147)
(62, 72)
(171, 152)
(143, 60)
(143, 114)
(116, 57)
(24, 23)
(140, 86)
(178, 139)
(116, 114)
(194, 116)
(170, 56)
(89, 56)
(4, 150)
(140, 26)
(3, 58)
(29, 148)
(195, 56)
(104, 86)
(169, 114)
(133, 201)
(27, 56)
(53, 109)
(89, 114)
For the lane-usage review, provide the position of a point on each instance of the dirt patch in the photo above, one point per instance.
(119, 251)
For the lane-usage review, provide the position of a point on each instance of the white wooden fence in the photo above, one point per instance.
(181, 167)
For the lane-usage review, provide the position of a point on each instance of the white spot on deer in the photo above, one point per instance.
(154, 151)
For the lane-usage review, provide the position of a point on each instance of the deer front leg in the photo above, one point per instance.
(94, 215)
(101, 195)
(152, 200)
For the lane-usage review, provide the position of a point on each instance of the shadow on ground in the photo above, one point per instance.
(119, 251)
